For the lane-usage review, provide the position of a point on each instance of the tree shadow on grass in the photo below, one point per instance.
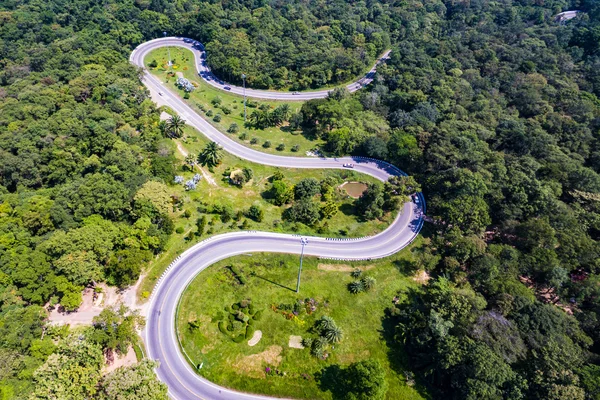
(331, 379)
(347, 209)
(397, 356)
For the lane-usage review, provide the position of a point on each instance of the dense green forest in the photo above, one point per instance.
(492, 106)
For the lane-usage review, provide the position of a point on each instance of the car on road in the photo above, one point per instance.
(296, 93)
(348, 165)
(226, 87)
(160, 93)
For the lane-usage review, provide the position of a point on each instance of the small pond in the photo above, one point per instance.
(354, 189)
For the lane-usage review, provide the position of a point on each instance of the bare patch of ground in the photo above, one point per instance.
(342, 267)
(421, 277)
(354, 189)
(165, 116)
(124, 360)
(295, 342)
(255, 338)
(254, 365)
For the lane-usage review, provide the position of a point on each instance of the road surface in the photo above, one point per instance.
(204, 71)
(159, 334)
(566, 16)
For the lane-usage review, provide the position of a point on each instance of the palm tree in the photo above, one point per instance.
(190, 160)
(211, 155)
(175, 126)
(368, 282)
(285, 111)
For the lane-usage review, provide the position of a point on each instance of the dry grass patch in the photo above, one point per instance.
(254, 364)
(342, 267)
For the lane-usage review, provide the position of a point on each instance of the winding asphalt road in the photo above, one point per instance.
(205, 73)
(160, 335)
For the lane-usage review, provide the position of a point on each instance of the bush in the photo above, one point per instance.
(222, 327)
(258, 315)
(356, 287)
(307, 342)
(245, 303)
(230, 327)
(256, 213)
(356, 273)
(217, 118)
(233, 128)
(209, 113)
(239, 339)
(368, 282)
(267, 144)
(251, 308)
(243, 136)
(249, 332)
(235, 306)
(242, 279)
(186, 95)
(216, 101)
(250, 321)
(218, 317)
(280, 147)
(254, 140)
(295, 148)
(179, 230)
(225, 110)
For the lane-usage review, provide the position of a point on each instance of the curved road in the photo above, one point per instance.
(204, 72)
(160, 335)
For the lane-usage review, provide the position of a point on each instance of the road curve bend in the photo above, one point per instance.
(160, 335)
(205, 73)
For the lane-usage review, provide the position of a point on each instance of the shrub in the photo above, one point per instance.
(242, 279)
(233, 128)
(324, 323)
(238, 325)
(225, 110)
(218, 317)
(251, 321)
(295, 148)
(245, 303)
(235, 306)
(216, 101)
(249, 332)
(251, 308)
(243, 136)
(222, 327)
(186, 95)
(333, 335)
(368, 282)
(230, 327)
(267, 144)
(239, 339)
(256, 213)
(179, 230)
(356, 273)
(217, 118)
(209, 113)
(254, 140)
(307, 342)
(356, 287)
(280, 147)
(257, 316)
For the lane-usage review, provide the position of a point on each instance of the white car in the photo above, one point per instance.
(348, 165)
(295, 93)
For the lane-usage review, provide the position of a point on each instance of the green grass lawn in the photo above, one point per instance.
(202, 98)
(269, 283)
(343, 224)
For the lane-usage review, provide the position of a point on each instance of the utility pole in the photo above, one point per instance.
(244, 83)
(169, 50)
(303, 242)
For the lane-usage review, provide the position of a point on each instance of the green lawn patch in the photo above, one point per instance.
(357, 330)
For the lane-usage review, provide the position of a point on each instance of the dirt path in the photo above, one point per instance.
(211, 181)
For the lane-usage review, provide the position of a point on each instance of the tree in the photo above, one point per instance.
(115, 329)
(73, 372)
(136, 382)
(211, 155)
(256, 213)
(201, 225)
(305, 211)
(306, 188)
(280, 193)
(329, 210)
(369, 204)
(81, 267)
(190, 160)
(174, 126)
(157, 193)
(365, 380)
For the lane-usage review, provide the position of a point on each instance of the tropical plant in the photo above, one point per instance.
(356, 287)
(368, 282)
(324, 323)
(356, 273)
(211, 155)
(175, 126)
(333, 334)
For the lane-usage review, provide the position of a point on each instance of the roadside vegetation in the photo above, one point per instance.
(271, 126)
(220, 313)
